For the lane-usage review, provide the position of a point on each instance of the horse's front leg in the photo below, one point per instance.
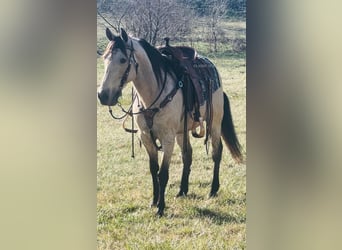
(163, 176)
(154, 167)
(187, 160)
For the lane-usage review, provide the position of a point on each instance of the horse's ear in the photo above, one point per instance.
(109, 34)
(124, 35)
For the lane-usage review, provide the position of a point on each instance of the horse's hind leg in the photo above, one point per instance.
(187, 160)
(216, 156)
(154, 167)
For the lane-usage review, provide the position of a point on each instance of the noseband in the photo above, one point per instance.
(128, 69)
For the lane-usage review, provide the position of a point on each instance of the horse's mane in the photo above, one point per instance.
(159, 62)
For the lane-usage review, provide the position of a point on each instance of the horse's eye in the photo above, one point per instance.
(123, 60)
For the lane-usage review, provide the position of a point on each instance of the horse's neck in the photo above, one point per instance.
(146, 86)
(145, 82)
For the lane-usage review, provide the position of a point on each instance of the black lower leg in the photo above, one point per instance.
(187, 160)
(217, 155)
(154, 172)
(163, 179)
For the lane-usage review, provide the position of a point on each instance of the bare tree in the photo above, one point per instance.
(115, 11)
(151, 19)
(216, 10)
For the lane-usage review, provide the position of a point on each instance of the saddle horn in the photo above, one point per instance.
(167, 41)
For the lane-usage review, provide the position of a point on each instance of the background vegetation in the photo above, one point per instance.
(187, 20)
(125, 220)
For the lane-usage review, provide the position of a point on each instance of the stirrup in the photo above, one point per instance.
(194, 129)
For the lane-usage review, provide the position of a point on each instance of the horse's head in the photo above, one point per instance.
(119, 67)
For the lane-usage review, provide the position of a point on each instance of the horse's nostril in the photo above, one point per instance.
(103, 96)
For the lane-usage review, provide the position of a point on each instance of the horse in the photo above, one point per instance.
(159, 110)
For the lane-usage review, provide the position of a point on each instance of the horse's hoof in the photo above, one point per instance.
(153, 204)
(160, 213)
(161, 207)
(212, 194)
(181, 194)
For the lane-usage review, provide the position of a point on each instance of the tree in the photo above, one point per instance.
(216, 11)
(150, 19)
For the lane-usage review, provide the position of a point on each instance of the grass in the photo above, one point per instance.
(124, 189)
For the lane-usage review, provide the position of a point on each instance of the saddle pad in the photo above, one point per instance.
(206, 73)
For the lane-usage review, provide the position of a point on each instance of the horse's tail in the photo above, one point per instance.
(228, 132)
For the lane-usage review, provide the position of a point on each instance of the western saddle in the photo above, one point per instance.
(197, 77)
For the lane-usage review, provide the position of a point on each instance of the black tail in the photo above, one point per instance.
(228, 132)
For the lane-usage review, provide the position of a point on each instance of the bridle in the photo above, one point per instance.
(123, 80)
(128, 69)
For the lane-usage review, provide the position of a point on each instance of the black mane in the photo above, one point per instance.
(159, 62)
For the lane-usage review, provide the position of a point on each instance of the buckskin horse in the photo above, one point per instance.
(160, 110)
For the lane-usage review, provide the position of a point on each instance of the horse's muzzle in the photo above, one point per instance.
(108, 99)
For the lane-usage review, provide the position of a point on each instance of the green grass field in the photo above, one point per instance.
(124, 185)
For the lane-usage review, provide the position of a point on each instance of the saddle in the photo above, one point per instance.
(199, 77)
(178, 52)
